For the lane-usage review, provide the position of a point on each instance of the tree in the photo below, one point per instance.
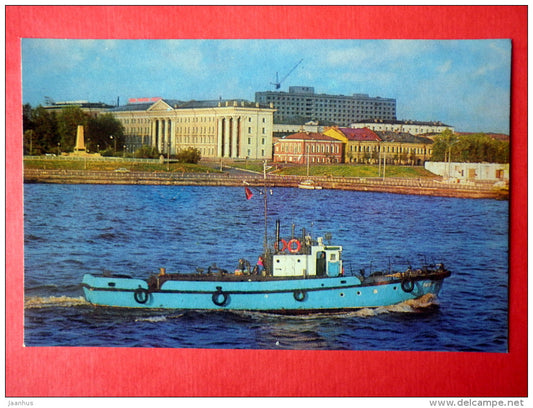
(68, 121)
(444, 146)
(189, 155)
(100, 130)
(474, 148)
(43, 137)
(146, 152)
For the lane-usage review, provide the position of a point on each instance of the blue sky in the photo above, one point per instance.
(463, 83)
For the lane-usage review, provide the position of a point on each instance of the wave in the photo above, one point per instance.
(37, 302)
(157, 319)
(418, 305)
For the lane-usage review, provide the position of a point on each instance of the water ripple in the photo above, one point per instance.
(74, 229)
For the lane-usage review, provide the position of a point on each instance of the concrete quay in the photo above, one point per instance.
(388, 185)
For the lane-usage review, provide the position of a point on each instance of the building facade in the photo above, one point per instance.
(493, 172)
(308, 147)
(360, 145)
(218, 129)
(405, 148)
(405, 126)
(91, 108)
(365, 146)
(301, 105)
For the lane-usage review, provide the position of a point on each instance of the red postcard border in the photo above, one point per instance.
(91, 372)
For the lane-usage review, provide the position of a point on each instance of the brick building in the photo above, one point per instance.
(303, 147)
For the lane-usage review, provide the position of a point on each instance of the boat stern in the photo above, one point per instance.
(114, 290)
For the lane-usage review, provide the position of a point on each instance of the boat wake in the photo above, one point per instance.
(421, 304)
(36, 302)
(157, 319)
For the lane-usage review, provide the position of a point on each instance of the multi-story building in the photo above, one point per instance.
(405, 148)
(360, 145)
(301, 105)
(406, 126)
(363, 145)
(308, 147)
(222, 128)
(91, 108)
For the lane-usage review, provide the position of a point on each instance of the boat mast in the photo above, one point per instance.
(307, 158)
(265, 239)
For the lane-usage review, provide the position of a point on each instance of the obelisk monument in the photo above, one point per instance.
(80, 141)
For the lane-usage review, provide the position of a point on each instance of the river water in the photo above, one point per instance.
(71, 230)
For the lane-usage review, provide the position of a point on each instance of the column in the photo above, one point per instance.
(172, 136)
(227, 137)
(220, 131)
(160, 135)
(234, 136)
(153, 134)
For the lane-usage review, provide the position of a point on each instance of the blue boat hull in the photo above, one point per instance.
(269, 295)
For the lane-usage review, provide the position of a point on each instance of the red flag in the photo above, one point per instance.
(248, 193)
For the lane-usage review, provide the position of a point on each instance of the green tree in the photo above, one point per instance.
(147, 152)
(189, 155)
(106, 132)
(68, 121)
(444, 146)
(474, 148)
(41, 136)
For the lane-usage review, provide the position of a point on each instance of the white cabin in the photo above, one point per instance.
(316, 260)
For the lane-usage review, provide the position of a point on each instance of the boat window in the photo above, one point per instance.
(333, 257)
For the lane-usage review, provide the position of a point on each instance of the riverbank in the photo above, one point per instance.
(432, 187)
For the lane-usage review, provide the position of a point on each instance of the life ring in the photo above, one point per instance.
(141, 295)
(294, 249)
(216, 297)
(299, 295)
(408, 285)
(284, 245)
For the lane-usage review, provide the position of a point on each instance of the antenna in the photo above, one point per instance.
(277, 84)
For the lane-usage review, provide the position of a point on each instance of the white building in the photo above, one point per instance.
(470, 171)
(301, 104)
(402, 126)
(232, 129)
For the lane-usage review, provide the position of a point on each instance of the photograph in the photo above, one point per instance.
(200, 205)
(266, 201)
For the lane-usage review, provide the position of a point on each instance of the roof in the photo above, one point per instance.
(403, 122)
(310, 136)
(390, 136)
(177, 104)
(360, 134)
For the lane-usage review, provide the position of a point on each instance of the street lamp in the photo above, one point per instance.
(115, 140)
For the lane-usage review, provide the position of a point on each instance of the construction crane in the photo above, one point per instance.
(277, 84)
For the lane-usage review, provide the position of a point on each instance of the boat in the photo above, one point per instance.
(297, 274)
(309, 185)
(300, 275)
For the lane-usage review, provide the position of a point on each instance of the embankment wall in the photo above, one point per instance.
(390, 185)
